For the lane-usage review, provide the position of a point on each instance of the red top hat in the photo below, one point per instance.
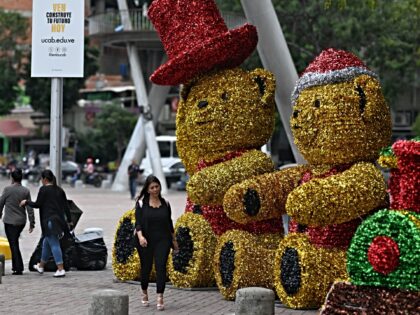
(197, 40)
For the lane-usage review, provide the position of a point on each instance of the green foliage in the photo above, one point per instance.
(382, 37)
(12, 32)
(343, 3)
(382, 33)
(39, 88)
(8, 79)
(229, 6)
(112, 130)
(88, 145)
(21, 98)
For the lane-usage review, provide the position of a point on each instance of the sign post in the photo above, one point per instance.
(57, 53)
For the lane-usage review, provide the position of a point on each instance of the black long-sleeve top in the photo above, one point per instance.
(155, 223)
(53, 206)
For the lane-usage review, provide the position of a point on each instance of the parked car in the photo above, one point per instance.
(33, 173)
(174, 173)
(69, 168)
(172, 167)
(182, 183)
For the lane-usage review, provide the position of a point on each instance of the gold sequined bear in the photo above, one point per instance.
(340, 121)
(223, 119)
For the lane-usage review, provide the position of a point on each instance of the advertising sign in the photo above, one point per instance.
(57, 38)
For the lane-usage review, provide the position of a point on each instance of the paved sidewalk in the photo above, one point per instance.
(42, 294)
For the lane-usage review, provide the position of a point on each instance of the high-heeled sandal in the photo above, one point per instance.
(145, 300)
(159, 305)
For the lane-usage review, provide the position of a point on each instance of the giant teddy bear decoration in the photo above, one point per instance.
(340, 121)
(224, 116)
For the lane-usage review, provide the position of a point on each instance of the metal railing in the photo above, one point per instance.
(110, 22)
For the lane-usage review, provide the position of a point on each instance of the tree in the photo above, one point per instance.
(379, 32)
(39, 88)
(112, 130)
(12, 34)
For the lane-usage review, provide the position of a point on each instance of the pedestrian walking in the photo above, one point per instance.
(133, 172)
(155, 233)
(55, 220)
(15, 217)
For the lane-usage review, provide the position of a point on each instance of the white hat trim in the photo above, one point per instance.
(330, 77)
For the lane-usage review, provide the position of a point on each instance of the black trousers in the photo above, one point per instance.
(12, 234)
(159, 251)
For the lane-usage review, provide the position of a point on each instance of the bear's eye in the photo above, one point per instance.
(225, 96)
(317, 103)
(362, 99)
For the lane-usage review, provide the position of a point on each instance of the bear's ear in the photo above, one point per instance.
(183, 93)
(266, 84)
(185, 90)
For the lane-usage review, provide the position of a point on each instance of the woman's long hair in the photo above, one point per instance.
(144, 193)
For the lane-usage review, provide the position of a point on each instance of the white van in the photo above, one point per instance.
(172, 167)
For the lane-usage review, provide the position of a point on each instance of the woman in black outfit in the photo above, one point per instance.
(155, 232)
(55, 219)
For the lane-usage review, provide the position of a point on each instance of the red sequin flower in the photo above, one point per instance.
(384, 254)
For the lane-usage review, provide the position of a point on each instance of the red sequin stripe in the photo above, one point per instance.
(295, 227)
(217, 217)
(189, 207)
(334, 235)
(331, 236)
(220, 223)
(307, 176)
(203, 164)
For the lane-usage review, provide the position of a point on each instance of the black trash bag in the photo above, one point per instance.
(75, 212)
(36, 255)
(67, 244)
(91, 254)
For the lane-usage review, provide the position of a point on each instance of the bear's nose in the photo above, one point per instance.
(202, 104)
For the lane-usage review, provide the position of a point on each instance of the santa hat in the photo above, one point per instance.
(197, 40)
(331, 66)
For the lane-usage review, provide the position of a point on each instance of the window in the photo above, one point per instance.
(402, 118)
(164, 148)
